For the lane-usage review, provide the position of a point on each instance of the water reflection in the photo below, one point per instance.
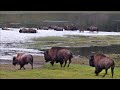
(86, 51)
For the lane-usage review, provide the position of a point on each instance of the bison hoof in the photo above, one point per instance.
(103, 76)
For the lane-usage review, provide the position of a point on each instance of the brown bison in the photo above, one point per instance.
(92, 29)
(30, 30)
(58, 28)
(5, 28)
(58, 54)
(100, 62)
(22, 59)
(71, 28)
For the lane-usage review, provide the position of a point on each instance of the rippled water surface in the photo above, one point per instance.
(12, 42)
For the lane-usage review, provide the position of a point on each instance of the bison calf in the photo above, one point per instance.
(22, 59)
(100, 62)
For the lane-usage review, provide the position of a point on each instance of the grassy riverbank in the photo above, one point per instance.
(79, 68)
(75, 41)
(75, 71)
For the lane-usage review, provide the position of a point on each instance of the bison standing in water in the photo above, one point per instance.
(25, 30)
(92, 29)
(100, 62)
(22, 59)
(58, 54)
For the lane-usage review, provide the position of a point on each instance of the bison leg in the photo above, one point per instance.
(21, 66)
(52, 63)
(61, 63)
(105, 72)
(31, 65)
(96, 71)
(65, 63)
(69, 62)
(112, 71)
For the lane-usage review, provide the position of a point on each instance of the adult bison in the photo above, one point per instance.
(30, 30)
(100, 62)
(71, 28)
(22, 59)
(58, 54)
(58, 28)
(92, 29)
(5, 28)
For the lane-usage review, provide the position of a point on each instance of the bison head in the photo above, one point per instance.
(46, 56)
(88, 28)
(20, 31)
(14, 61)
(91, 61)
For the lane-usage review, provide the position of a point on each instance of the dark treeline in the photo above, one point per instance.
(106, 21)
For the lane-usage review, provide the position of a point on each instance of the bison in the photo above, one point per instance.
(100, 62)
(71, 28)
(30, 30)
(92, 29)
(58, 54)
(58, 28)
(5, 28)
(22, 59)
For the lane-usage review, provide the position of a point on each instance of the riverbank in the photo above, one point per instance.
(78, 69)
(75, 41)
(13, 42)
(7, 64)
(80, 45)
(39, 60)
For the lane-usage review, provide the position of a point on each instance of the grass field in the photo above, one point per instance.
(79, 69)
(75, 71)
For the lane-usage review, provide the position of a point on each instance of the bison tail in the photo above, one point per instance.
(71, 54)
(112, 68)
(31, 59)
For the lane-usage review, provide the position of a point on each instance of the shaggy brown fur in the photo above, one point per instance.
(22, 59)
(58, 54)
(100, 62)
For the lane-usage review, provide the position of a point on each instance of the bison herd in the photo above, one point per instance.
(56, 28)
(62, 55)
(29, 30)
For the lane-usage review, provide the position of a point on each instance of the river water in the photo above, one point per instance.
(12, 42)
(86, 51)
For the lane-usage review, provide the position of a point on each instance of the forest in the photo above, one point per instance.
(104, 20)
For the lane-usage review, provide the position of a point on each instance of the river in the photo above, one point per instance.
(12, 42)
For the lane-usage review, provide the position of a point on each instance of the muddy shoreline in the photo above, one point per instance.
(38, 63)
(6, 64)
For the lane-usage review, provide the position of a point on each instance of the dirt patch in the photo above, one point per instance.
(38, 63)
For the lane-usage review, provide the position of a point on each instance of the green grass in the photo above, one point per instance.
(75, 71)
(74, 40)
